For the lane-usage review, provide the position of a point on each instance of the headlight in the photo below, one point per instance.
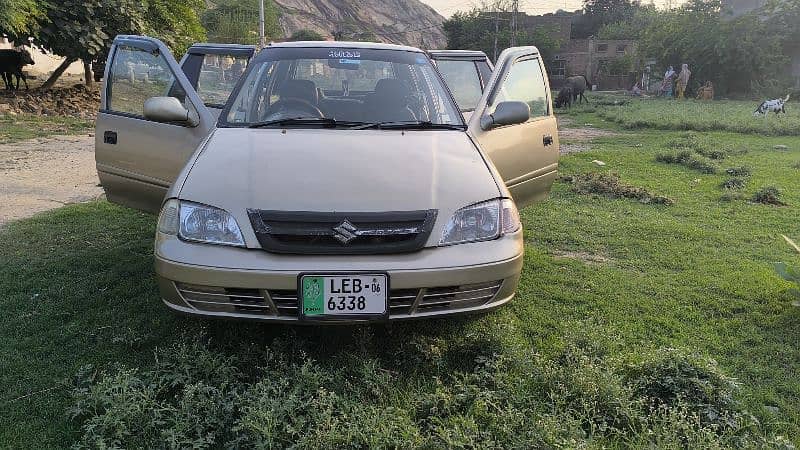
(481, 222)
(199, 223)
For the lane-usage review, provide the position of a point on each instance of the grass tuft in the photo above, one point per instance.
(610, 185)
(741, 171)
(769, 195)
(734, 183)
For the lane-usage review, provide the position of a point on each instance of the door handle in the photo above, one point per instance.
(547, 140)
(110, 137)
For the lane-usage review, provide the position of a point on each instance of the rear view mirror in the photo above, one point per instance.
(168, 109)
(506, 113)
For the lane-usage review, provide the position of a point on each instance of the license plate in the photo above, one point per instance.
(344, 295)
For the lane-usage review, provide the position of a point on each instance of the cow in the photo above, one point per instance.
(579, 84)
(564, 98)
(11, 64)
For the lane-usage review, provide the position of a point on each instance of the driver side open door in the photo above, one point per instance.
(139, 151)
(525, 154)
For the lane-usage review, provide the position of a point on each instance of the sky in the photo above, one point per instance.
(533, 7)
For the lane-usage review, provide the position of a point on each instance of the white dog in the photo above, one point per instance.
(777, 106)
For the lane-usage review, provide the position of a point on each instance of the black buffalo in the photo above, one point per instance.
(564, 98)
(11, 64)
(579, 84)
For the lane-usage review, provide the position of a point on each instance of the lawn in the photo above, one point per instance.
(26, 126)
(635, 325)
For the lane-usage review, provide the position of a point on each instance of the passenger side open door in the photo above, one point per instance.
(150, 122)
(213, 70)
(515, 126)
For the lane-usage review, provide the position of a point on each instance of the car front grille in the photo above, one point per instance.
(284, 303)
(356, 233)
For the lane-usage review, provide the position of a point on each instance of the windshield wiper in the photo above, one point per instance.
(411, 125)
(324, 121)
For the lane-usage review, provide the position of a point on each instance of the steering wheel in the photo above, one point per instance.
(294, 105)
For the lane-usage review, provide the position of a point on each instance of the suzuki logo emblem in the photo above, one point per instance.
(345, 232)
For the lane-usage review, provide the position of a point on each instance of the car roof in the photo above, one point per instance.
(458, 53)
(342, 44)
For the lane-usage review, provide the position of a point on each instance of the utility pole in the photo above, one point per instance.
(262, 41)
(496, 29)
(514, 11)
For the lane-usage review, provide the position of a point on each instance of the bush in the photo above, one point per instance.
(701, 164)
(733, 183)
(712, 154)
(769, 195)
(741, 171)
(674, 158)
(610, 185)
(671, 379)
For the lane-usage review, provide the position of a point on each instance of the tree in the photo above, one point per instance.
(176, 23)
(19, 18)
(735, 54)
(236, 22)
(597, 14)
(306, 35)
(474, 30)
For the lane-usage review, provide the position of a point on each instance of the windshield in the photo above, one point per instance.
(359, 86)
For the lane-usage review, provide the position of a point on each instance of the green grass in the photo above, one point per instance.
(26, 126)
(717, 115)
(610, 287)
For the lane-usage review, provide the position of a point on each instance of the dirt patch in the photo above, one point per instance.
(585, 257)
(575, 140)
(46, 173)
(77, 101)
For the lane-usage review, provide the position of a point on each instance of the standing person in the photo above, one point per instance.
(666, 85)
(683, 80)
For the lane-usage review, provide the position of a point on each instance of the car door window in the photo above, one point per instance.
(525, 83)
(485, 70)
(137, 75)
(463, 80)
(218, 76)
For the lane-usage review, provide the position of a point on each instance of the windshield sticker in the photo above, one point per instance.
(344, 54)
(349, 61)
(421, 60)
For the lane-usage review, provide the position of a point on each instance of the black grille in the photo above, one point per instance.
(358, 233)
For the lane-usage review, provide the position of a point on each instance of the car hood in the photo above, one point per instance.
(339, 170)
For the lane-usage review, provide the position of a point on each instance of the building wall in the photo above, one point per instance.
(593, 59)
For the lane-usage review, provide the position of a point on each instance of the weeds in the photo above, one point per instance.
(734, 183)
(769, 195)
(609, 185)
(741, 171)
(690, 160)
(516, 400)
(796, 165)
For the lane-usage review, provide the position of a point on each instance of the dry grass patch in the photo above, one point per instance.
(609, 185)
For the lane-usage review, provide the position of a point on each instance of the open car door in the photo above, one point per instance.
(515, 126)
(150, 122)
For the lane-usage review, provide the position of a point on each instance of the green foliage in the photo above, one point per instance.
(177, 24)
(741, 171)
(599, 13)
(474, 30)
(19, 18)
(733, 53)
(633, 27)
(236, 22)
(306, 35)
(74, 28)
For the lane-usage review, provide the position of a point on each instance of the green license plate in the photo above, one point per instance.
(344, 295)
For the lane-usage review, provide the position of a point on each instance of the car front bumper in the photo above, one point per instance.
(253, 284)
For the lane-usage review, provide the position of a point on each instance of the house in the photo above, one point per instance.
(608, 64)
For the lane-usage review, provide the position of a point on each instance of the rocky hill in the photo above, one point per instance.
(408, 22)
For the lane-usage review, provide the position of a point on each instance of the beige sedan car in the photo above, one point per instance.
(339, 182)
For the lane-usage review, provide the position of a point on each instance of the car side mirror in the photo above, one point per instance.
(506, 113)
(168, 109)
